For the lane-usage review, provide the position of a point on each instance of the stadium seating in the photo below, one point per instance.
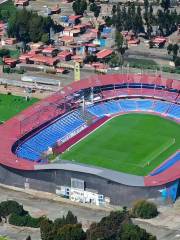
(71, 124)
(174, 111)
(126, 105)
(33, 148)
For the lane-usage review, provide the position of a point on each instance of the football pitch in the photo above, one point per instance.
(131, 143)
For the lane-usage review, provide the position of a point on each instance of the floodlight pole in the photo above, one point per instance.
(83, 106)
(92, 95)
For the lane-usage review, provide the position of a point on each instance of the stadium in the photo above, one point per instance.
(116, 139)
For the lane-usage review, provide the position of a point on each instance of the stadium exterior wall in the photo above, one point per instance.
(49, 180)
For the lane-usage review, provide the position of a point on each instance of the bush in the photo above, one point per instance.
(131, 231)
(9, 207)
(144, 209)
(25, 221)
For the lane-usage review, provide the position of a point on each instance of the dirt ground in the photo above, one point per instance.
(17, 91)
(39, 207)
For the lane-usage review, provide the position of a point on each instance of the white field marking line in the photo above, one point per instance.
(88, 134)
(157, 152)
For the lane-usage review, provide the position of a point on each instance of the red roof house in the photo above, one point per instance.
(104, 53)
(64, 55)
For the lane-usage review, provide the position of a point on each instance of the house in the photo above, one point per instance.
(134, 42)
(21, 3)
(104, 54)
(74, 19)
(90, 48)
(73, 32)
(44, 60)
(66, 40)
(50, 51)
(10, 41)
(56, 10)
(38, 45)
(10, 62)
(65, 56)
(61, 70)
(159, 41)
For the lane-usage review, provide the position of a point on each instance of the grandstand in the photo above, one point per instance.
(58, 122)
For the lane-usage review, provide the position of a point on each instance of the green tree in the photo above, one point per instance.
(165, 4)
(4, 52)
(175, 50)
(71, 232)
(119, 41)
(133, 232)
(108, 227)
(70, 218)
(79, 6)
(9, 207)
(170, 48)
(46, 230)
(116, 60)
(45, 38)
(177, 62)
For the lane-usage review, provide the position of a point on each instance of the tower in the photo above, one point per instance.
(76, 71)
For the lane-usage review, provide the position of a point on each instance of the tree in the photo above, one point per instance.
(29, 26)
(116, 60)
(71, 232)
(170, 48)
(95, 9)
(114, 9)
(4, 52)
(144, 209)
(79, 6)
(133, 232)
(70, 218)
(28, 237)
(9, 207)
(175, 50)
(165, 4)
(45, 38)
(108, 227)
(177, 62)
(119, 40)
(46, 230)
(138, 21)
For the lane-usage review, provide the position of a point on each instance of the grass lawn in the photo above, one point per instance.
(11, 105)
(127, 143)
(143, 62)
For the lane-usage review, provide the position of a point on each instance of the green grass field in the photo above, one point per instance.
(11, 105)
(127, 143)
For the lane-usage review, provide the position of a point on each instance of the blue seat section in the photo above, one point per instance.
(174, 111)
(128, 105)
(98, 110)
(33, 147)
(113, 107)
(167, 164)
(161, 107)
(105, 108)
(144, 105)
(125, 105)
